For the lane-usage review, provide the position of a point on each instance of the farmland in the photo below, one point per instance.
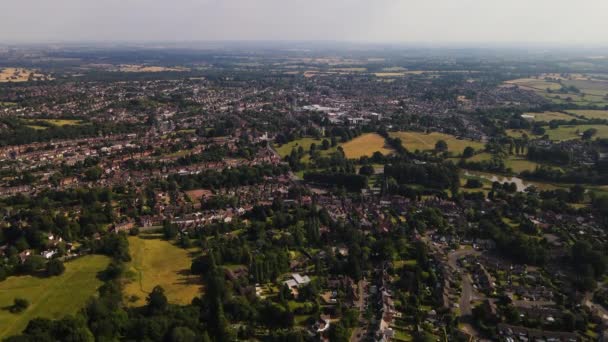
(424, 142)
(159, 262)
(590, 91)
(50, 297)
(591, 114)
(365, 145)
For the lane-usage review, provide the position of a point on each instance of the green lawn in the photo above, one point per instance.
(50, 297)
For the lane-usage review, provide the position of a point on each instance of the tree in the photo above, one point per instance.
(589, 133)
(54, 267)
(182, 334)
(93, 173)
(325, 144)
(441, 146)
(33, 264)
(157, 301)
(19, 305)
(169, 230)
(468, 152)
(366, 170)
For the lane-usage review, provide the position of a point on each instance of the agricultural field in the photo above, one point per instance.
(158, 262)
(19, 75)
(52, 297)
(366, 145)
(425, 142)
(593, 91)
(548, 116)
(591, 114)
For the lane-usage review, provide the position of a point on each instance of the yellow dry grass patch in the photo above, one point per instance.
(413, 141)
(19, 75)
(159, 262)
(366, 145)
(58, 122)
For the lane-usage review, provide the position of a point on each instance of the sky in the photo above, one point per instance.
(383, 21)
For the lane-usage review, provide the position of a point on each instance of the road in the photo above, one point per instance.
(467, 293)
(359, 332)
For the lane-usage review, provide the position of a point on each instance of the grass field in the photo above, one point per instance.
(565, 132)
(519, 164)
(366, 145)
(424, 142)
(158, 262)
(591, 114)
(285, 149)
(572, 132)
(50, 297)
(548, 116)
(58, 122)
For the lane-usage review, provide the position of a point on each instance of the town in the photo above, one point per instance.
(369, 196)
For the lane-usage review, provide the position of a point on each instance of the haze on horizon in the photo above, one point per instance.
(400, 21)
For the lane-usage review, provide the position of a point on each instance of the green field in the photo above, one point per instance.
(159, 262)
(519, 164)
(285, 149)
(366, 145)
(573, 132)
(548, 116)
(591, 114)
(425, 142)
(50, 297)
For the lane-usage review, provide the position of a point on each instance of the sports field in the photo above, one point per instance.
(158, 262)
(366, 145)
(425, 142)
(52, 297)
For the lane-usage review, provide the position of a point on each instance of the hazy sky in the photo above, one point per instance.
(407, 21)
